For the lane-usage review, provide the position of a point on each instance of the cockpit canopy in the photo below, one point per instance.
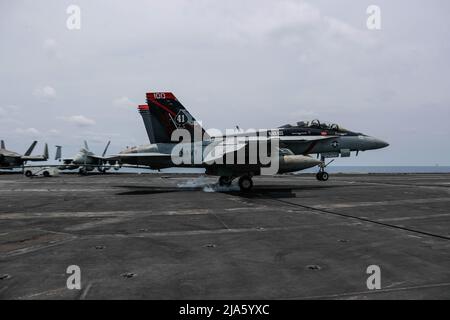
(316, 124)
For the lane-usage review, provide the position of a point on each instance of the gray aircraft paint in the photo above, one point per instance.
(10, 159)
(293, 152)
(85, 159)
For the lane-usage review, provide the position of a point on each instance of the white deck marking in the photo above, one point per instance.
(46, 293)
(86, 291)
(121, 213)
(359, 293)
(216, 231)
(94, 214)
(379, 203)
(443, 215)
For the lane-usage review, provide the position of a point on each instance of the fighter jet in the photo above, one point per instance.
(164, 114)
(85, 160)
(11, 160)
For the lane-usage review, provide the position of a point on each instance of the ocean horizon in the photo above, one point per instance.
(330, 169)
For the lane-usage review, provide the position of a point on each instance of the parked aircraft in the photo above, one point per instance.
(85, 160)
(11, 159)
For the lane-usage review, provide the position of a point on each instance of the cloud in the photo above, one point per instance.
(304, 115)
(79, 120)
(124, 102)
(51, 48)
(291, 23)
(28, 131)
(9, 115)
(8, 110)
(49, 44)
(10, 121)
(46, 92)
(54, 132)
(255, 63)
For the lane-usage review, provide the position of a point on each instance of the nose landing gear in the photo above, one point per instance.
(322, 175)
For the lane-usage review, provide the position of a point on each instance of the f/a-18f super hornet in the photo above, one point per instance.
(11, 159)
(164, 116)
(85, 160)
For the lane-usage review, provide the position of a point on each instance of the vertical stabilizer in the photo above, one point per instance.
(30, 149)
(144, 110)
(58, 154)
(45, 155)
(106, 149)
(168, 114)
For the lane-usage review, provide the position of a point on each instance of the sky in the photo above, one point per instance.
(252, 63)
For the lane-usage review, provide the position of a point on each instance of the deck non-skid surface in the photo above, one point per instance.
(154, 236)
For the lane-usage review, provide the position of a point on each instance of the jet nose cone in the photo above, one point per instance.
(371, 143)
(380, 144)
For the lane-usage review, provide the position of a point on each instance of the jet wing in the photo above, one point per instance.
(97, 157)
(234, 144)
(151, 159)
(222, 149)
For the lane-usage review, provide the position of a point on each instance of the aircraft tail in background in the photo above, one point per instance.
(28, 157)
(30, 149)
(45, 155)
(58, 154)
(106, 149)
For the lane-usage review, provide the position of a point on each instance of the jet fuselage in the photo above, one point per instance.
(333, 143)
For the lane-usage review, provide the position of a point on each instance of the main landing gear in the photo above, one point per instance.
(245, 182)
(225, 181)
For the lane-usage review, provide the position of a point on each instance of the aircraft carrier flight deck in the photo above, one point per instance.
(159, 236)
